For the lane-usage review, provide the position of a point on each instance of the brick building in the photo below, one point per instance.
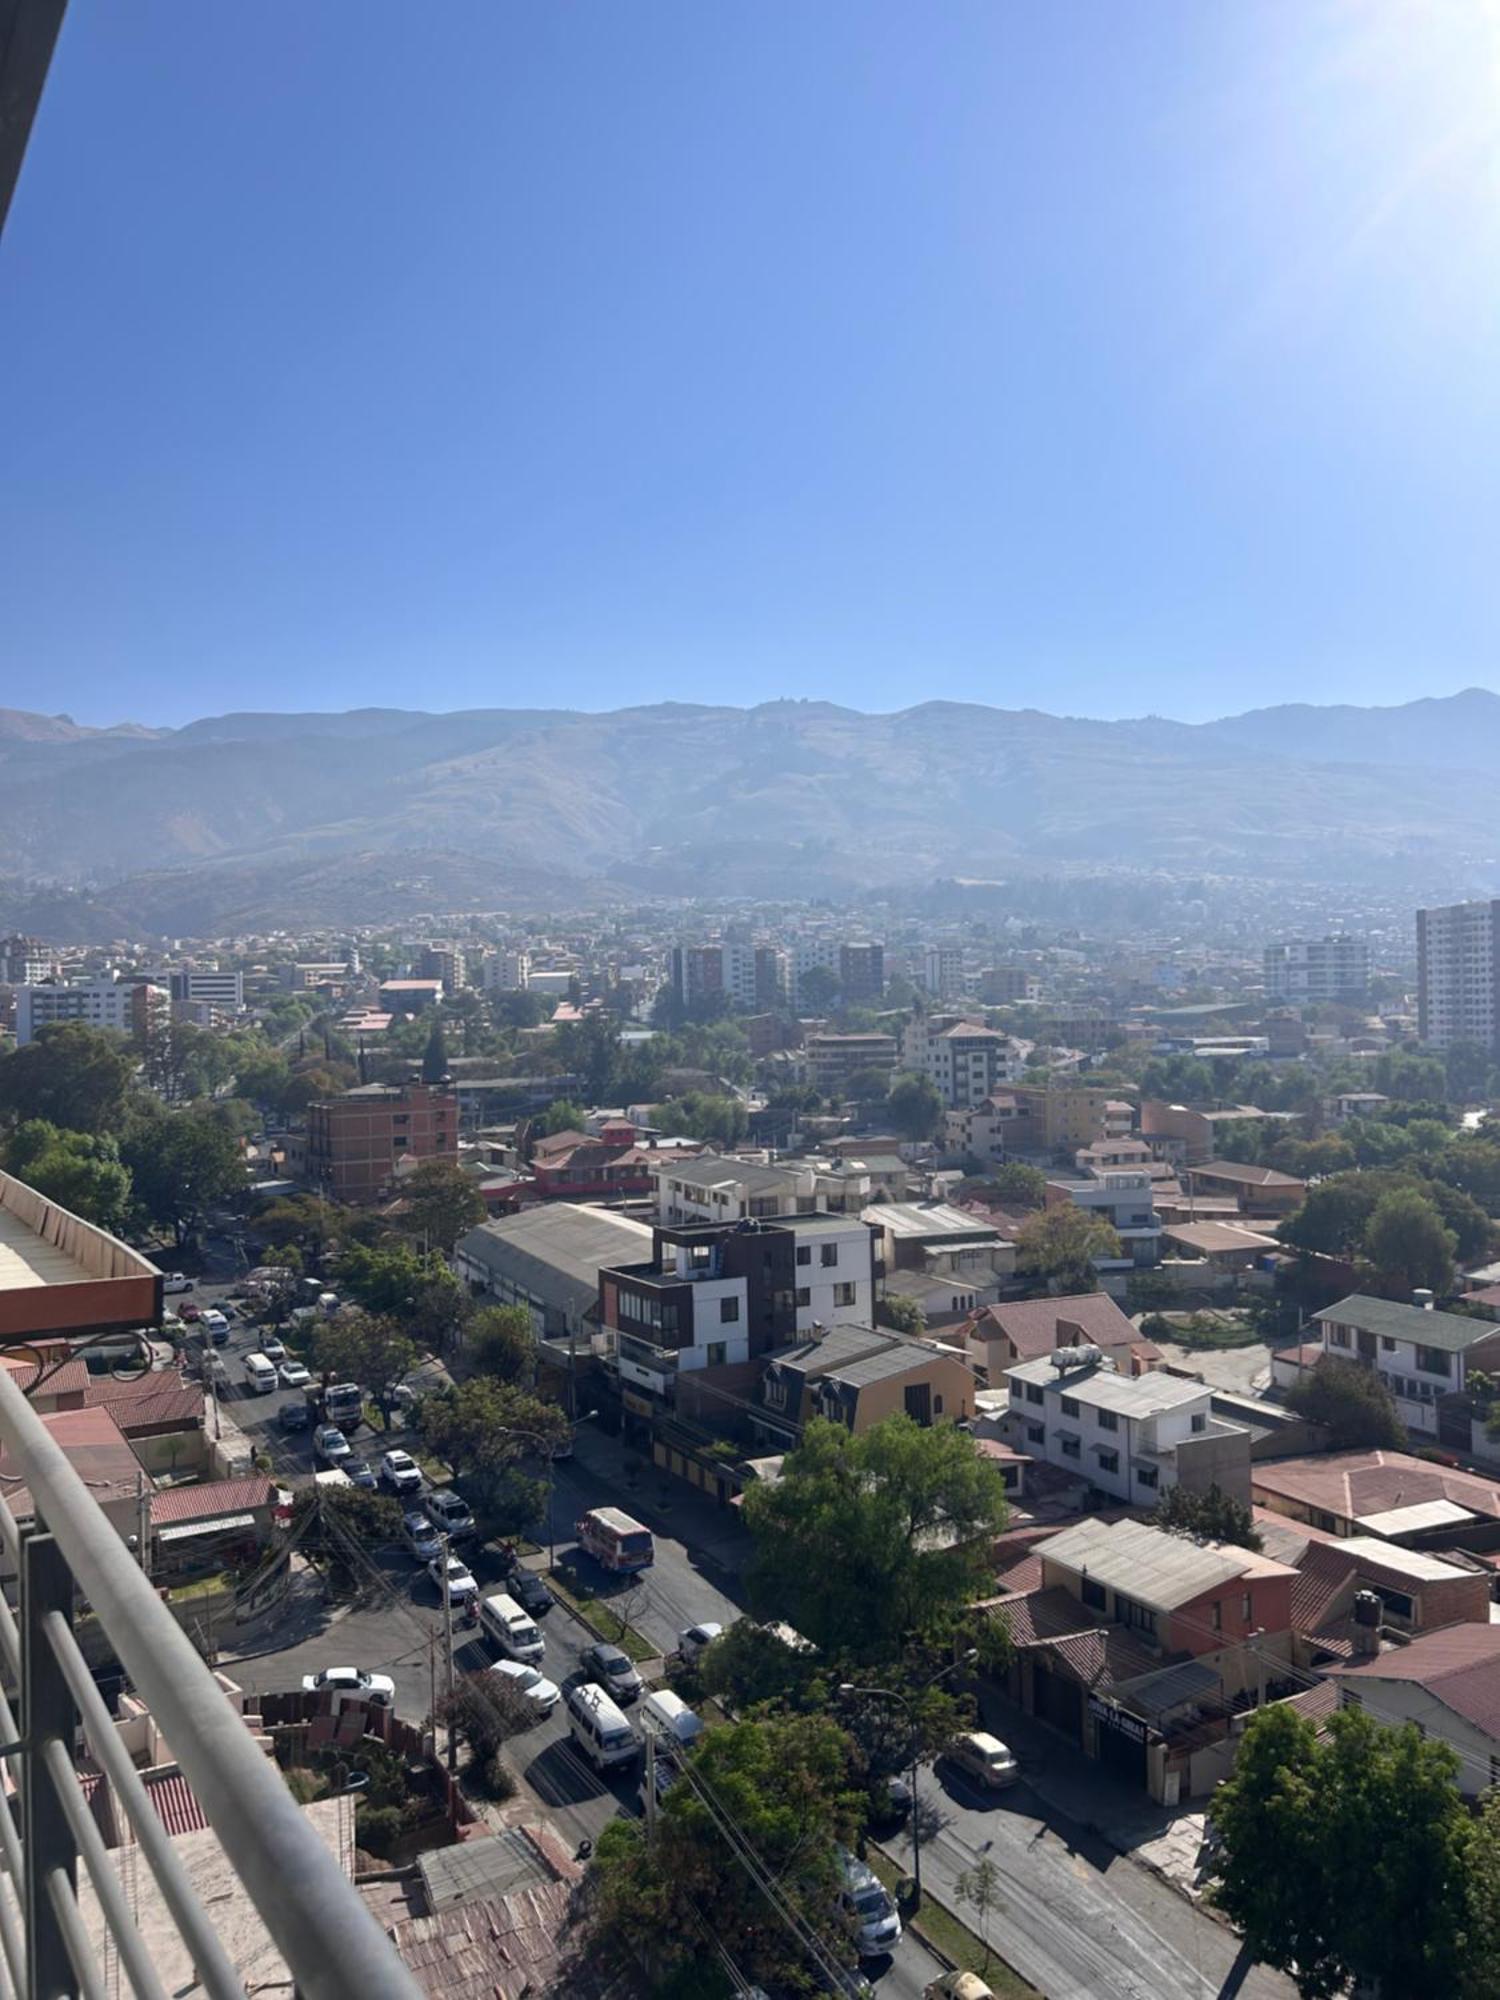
(356, 1142)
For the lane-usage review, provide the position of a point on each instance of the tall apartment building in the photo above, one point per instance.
(130, 1006)
(943, 970)
(356, 1142)
(1458, 975)
(445, 962)
(27, 961)
(701, 971)
(808, 952)
(223, 990)
(861, 973)
(967, 1062)
(507, 971)
(1307, 971)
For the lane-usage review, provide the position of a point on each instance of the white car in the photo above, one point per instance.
(696, 1640)
(331, 1445)
(457, 1575)
(293, 1375)
(273, 1350)
(544, 1694)
(401, 1472)
(351, 1684)
(174, 1281)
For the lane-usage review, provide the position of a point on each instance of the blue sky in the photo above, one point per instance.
(1093, 357)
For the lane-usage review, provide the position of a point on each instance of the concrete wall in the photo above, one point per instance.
(1216, 1458)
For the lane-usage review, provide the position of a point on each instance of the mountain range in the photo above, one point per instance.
(388, 810)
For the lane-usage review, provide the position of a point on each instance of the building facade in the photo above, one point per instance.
(129, 1006)
(966, 1060)
(1311, 971)
(1458, 975)
(224, 991)
(356, 1142)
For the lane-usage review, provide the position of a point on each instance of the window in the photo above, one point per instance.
(1134, 1615)
(1387, 1345)
(804, 1253)
(1146, 1475)
(718, 1353)
(1070, 1406)
(1109, 1461)
(1245, 1606)
(1216, 1615)
(1433, 1361)
(803, 1295)
(1034, 1393)
(843, 1295)
(1036, 1434)
(729, 1311)
(1107, 1420)
(828, 1255)
(1200, 1424)
(1338, 1336)
(1093, 1594)
(1069, 1443)
(1017, 1392)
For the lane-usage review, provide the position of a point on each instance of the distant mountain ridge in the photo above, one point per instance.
(786, 798)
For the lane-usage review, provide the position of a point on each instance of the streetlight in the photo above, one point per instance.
(849, 1688)
(546, 1445)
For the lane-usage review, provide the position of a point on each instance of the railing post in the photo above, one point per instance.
(47, 1711)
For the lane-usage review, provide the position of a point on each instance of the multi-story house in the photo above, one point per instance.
(223, 991)
(832, 1059)
(1312, 971)
(356, 1142)
(1129, 1436)
(711, 1188)
(1058, 1118)
(1458, 975)
(708, 971)
(966, 1060)
(1420, 1355)
(943, 970)
(27, 961)
(1124, 1197)
(861, 973)
(858, 1376)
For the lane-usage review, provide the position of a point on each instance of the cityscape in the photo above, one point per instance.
(749, 1003)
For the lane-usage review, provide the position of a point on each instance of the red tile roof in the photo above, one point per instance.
(1025, 1575)
(167, 1410)
(1317, 1702)
(1316, 1585)
(93, 1445)
(1033, 1326)
(1459, 1666)
(1354, 1484)
(66, 1380)
(217, 1496)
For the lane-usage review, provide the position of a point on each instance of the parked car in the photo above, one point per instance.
(347, 1684)
(958, 1986)
(359, 1473)
(451, 1511)
(294, 1375)
(294, 1417)
(331, 1445)
(696, 1640)
(216, 1324)
(612, 1669)
(424, 1541)
(191, 1315)
(401, 1472)
(891, 1801)
(984, 1758)
(273, 1350)
(454, 1575)
(174, 1281)
(542, 1693)
(529, 1591)
(867, 1908)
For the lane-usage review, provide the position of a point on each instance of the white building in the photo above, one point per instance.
(710, 1188)
(1458, 968)
(943, 970)
(1131, 1436)
(1448, 1683)
(966, 1060)
(130, 1006)
(704, 971)
(507, 971)
(1308, 971)
(224, 991)
(1421, 1356)
(1125, 1198)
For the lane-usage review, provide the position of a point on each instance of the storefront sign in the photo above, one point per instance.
(640, 1406)
(1117, 1718)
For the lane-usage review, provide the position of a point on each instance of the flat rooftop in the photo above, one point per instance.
(1103, 1389)
(59, 1274)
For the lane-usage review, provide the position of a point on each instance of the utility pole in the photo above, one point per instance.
(650, 1735)
(448, 1654)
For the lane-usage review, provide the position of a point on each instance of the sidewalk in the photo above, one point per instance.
(711, 1532)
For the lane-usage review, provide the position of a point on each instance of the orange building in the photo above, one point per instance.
(356, 1142)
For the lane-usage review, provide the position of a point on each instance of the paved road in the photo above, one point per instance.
(1076, 1918)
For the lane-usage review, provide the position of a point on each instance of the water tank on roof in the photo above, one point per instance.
(1076, 1357)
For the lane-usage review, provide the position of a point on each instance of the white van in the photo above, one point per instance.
(599, 1728)
(671, 1719)
(866, 1906)
(513, 1630)
(260, 1374)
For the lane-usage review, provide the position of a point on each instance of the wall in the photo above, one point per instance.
(1216, 1458)
(1396, 1702)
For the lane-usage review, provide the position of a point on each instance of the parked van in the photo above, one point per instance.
(984, 1758)
(671, 1718)
(599, 1728)
(260, 1374)
(512, 1629)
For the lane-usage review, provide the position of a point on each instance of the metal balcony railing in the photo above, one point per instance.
(332, 1945)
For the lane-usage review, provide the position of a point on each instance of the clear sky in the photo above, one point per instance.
(1102, 356)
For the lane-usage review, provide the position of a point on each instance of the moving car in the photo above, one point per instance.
(358, 1473)
(348, 1684)
(331, 1445)
(612, 1669)
(401, 1472)
(451, 1511)
(216, 1324)
(544, 1694)
(174, 1281)
(294, 1375)
(424, 1541)
(598, 1727)
(984, 1758)
(696, 1640)
(451, 1573)
(294, 1417)
(528, 1589)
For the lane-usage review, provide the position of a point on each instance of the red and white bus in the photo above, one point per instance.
(614, 1540)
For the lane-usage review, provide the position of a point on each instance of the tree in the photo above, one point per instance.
(901, 1314)
(499, 1341)
(262, 1074)
(1057, 1247)
(181, 1165)
(366, 1348)
(563, 1115)
(484, 1429)
(1017, 1185)
(302, 1219)
(1332, 1219)
(485, 1711)
(1347, 1860)
(914, 1506)
(440, 1204)
(914, 1106)
(1355, 1405)
(979, 1887)
(702, 1114)
(1213, 1515)
(435, 1055)
(782, 1785)
(817, 989)
(867, 1085)
(385, 1279)
(1406, 1241)
(79, 1171)
(75, 1077)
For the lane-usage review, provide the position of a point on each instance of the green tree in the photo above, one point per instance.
(499, 1341)
(916, 1507)
(1212, 1516)
(1017, 1185)
(385, 1278)
(706, 1115)
(75, 1077)
(866, 1086)
(440, 1204)
(435, 1055)
(1407, 1242)
(914, 1107)
(979, 1887)
(302, 1219)
(563, 1115)
(81, 1172)
(485, 1429)
(262, 1074)
(1332, 1218)
(783, 1784)
(901, 1314)
(366, 1348)
(1346, 1860)
(1355, 1405)
(181, 1165)
(1057, 1247)
(817, 989)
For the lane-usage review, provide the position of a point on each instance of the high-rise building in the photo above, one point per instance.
(943, 970)
(1458, 975)
(26, 961)
(444, 962)
(861, 973)
(1308, 971)
(966, 1060)
(223, 990)
(701, 971)
(130, 1006)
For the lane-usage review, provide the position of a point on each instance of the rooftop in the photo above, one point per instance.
(1158, 1569)
(1234, 1170)
(557, 1241)
(926, 1218)
(1105, 1389)
(1459, 1666)
(1036, 1326)
(1215, 1236)
(60, 1274)
(1371, 1486)
(94, 1446)
(1453, 1333)
(712, 1170)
